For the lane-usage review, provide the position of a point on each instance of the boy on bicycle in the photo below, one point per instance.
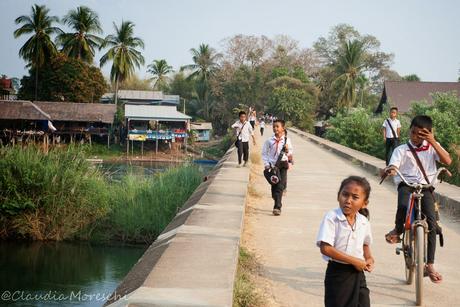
(423, 144)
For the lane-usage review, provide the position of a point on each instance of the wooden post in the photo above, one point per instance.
(142, 149)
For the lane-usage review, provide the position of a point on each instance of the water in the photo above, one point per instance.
(72, 274)
(63, 269)
(116, 170)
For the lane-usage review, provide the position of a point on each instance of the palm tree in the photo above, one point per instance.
(123, 53)
(159, 69)
(81, 43)
(350, 63)
(39, 48)
(205, 64)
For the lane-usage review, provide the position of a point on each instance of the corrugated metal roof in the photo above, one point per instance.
(58, 111)
(143, 95)
(153, 112)
(201, 126)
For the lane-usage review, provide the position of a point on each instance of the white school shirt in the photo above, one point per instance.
(262, 124)
(404, 160)
(245, 133)
(272, 148)
(336, 231)
(395, 124)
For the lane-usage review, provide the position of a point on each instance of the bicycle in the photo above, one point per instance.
(414, 241)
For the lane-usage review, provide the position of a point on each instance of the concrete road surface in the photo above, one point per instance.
(286, 246)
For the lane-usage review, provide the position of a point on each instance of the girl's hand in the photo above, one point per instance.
(369, 265)
(360, 265)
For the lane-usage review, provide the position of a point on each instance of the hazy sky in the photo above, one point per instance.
(424, 35)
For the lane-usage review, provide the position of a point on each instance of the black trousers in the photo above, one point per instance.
(345, 286)
(428, 211)
(243, 152)
(253, 123)
(390, 145)
(278, 189)
(261, 131)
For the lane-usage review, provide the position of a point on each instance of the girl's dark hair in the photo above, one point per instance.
(422, 121)
(361, 181)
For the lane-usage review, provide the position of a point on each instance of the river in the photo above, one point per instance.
(71, 273)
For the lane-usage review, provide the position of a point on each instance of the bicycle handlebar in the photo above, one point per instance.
(418, 185)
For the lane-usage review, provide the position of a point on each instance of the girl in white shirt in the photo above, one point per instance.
(344, 239)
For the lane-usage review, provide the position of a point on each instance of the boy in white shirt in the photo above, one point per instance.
(429, 151)
(391, 129)
(243, 132)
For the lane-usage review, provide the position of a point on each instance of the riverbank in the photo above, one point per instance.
(61, 196)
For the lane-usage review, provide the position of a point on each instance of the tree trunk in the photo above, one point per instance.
(116, 92)
(36, 83)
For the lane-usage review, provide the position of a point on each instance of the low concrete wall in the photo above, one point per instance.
(448, 194)
(193, 262)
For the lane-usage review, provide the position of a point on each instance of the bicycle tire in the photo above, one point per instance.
(419, 263)
(408, 252)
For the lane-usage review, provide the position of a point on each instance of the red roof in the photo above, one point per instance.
(402, 93)
(5, 83)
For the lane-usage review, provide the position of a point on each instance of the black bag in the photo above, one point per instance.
(272, 174)
(238, 141)
(436, 205)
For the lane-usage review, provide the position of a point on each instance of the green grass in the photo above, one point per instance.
(245, 293)
(219, 149)
(60, 196)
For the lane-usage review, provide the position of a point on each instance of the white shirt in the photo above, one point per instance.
(395, 123)
(403, 159)
(272, 148)
(262, 124)
(246, 130)
(336, 231)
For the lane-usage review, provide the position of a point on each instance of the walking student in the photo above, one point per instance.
(344, 239)
(243, 132)
(277, 152)
(422, 146)
(262, 126)
(252, 118)
(391, 129)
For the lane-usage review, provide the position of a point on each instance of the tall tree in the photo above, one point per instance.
(160, 70)
(39, 48)
(411, 77)
(349, 67)
(123, 52)
(82, 42)
(205, 64)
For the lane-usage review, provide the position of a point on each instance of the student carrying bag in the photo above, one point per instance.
(272, 174)
(238, 141)
(436, 205)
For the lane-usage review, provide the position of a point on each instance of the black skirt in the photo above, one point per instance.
(345, 286)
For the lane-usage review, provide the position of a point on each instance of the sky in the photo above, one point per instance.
(422, 34)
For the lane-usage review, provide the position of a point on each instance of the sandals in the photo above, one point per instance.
(276, 212)
(393, 237)
(434, 276)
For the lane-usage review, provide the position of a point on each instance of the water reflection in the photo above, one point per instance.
(61, 268)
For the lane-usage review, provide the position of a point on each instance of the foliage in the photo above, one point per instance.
(39, 47)
(294, 100)
(123, 51)
(140, 208)
(160, 70)
(81, 43)
(135, 83)
(49, 196)
(245, 293)
(65, 79)
(412, 77)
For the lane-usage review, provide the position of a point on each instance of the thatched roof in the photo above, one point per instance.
(402, 93)
(57, 111)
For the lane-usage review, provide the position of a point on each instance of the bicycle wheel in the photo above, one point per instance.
(408, 252)
(419, 263)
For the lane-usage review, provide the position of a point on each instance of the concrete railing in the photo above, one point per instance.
(448, 194)
(193, 262)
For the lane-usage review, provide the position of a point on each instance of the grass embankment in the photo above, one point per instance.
(219, 149)
(245, 293)
(61, 196)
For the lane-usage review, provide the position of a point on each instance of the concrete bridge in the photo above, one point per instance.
(193, 262)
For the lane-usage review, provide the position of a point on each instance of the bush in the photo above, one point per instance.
(140, 207)
(49, 196)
